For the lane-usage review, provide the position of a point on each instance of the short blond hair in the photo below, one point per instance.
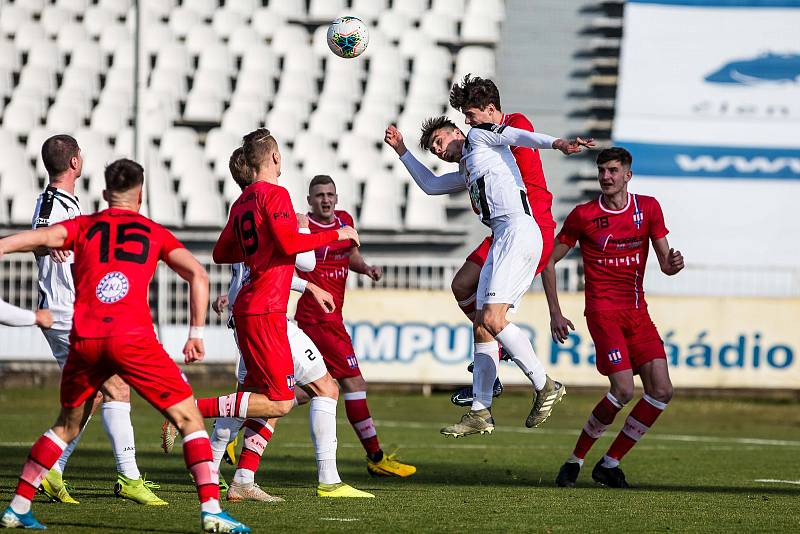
(240, 171)
(258, 145)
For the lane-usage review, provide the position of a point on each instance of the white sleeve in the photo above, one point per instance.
(452, 182)
(305, 261)
(495, 134)
(12, 316)
(298, 284)
(237, 276)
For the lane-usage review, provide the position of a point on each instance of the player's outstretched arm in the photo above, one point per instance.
(359, 265)
(48, 237)
(305, 261)
(182, 262)
(670, 260)
(559, 325)
(451, 182)
(11, 315)
(510, 136)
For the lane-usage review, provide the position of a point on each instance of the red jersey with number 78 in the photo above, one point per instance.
(116, 253)
(330, 273)
(262, 232)
(614, 246)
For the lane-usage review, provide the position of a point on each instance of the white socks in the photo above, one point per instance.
(61, 464)
(517, 344)
(610, 462)
(322, 421)
(117, 424)
(484, 373)
(225, 429)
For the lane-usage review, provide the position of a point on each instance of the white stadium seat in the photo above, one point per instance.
(239, 122)
(364, 164)
(71, 35)
(182, 19)
(486, 10)
(82, 79)
(176, 139)
(480, 30)
(425, 212)
(326, 10)
(453, 8)
(414, 40)
(290, 9)
(221, 142)
(211, 81)
(369, 126)
(45, 54)
(284, 124)
(203, 107)
(13, 17)
(327, 124)
(393, 23)
(287, 37)
(75, 6)
(259, 58)
(323, 162)
(168, 81)
(369, 9)
(243, 38)
(109, 120)
(205, 8)
(162, 199)
(115, 35)
(381, 207)
(217, 58)
(19, 118)
(200, 37)
(266, 22)
(205, 210)
(440, 27)
(21, 208)
(475, 59)
(159, 8)
(96, 19)
(28, 34)
(118, 7)
(88, 55)
(412, 8)
(64, 118)
(307, 144)
(175, 57)
(154, 35)
(246, 8)
(53, 18)
(10, 58)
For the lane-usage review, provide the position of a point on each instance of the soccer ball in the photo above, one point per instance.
(348, 37)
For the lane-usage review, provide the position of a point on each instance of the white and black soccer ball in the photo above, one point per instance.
(348, 37)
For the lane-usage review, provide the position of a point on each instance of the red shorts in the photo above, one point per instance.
(624, 339)
(333, 341)
(264, 345)
(478, 256)
(140, 361)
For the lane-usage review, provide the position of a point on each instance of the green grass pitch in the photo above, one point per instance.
(696, 471)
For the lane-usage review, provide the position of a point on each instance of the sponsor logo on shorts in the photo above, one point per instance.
(112, 288)
(615, 356)
(352, 361)
(290, 381)
(490, 294)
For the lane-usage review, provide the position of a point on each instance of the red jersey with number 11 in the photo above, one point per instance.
(614, 246)
(330, 273)
(116, 253)
(262, 232)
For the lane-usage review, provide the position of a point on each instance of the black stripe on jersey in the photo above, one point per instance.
(45, 208)
(496, 128)
(65, 196)
(482, 199)
(525, 204)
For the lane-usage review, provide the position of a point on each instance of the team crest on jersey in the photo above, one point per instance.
(352, 361)
(638, 214)
(112, 288)
(290, 381)
(615, 356)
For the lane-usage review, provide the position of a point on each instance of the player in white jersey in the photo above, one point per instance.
(63, 160)
(310, 374)
(489, 172)
(10, 315)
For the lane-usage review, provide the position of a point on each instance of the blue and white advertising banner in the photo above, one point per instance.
(708, 103)
(421, 337)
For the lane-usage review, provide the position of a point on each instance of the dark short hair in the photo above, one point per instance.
(615, 153)
(429, 127)
(123, 174)
(474, 92)
(240, 171)
(57, 151)
(258, 145)
(320, 179)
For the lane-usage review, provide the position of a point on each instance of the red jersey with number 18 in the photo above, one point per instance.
(330, 273)
(614, 246)
(262, 232)
(116, 253)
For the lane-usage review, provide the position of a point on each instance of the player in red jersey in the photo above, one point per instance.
(613, 231)
(327, 331)
(116, 253)
(479, 100)
(262, 232)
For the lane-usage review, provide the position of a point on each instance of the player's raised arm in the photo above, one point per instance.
(451, 182)
(49, 237)
(187, 267)
(11, 315)
(305, 261)
(494, 134)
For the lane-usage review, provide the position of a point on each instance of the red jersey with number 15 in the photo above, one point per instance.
(333, 266)
(614, 246)
(262, 232)
(116, 253)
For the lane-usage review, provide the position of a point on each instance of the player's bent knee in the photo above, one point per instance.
(662, 393)
(115, 389)
(352, 384)
(623, 395)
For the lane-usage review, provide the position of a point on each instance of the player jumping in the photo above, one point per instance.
(64, 162)
(479, 100)
(487, 169)
(613, 231)
(116, 253)
(333, 264)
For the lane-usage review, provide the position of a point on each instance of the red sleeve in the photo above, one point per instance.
(73, 227)
(518, 120)
(168, 243)
(227, 249)
(657, 227)
(571, 230)
(282, 222)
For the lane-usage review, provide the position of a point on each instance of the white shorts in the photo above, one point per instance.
(308, 363)
(511, 263)
(59, 344)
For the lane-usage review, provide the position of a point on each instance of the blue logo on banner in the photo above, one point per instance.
(764, 69)
(699, 161)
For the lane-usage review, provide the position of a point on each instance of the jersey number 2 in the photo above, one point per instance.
(124, 235)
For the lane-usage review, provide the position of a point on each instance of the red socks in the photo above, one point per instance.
(44, 454)
(198, 458)
(641, 418)
(233, 405)
(257, 433)
(602, 416)
(355, 405)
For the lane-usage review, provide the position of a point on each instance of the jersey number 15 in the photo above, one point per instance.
(125, 234)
